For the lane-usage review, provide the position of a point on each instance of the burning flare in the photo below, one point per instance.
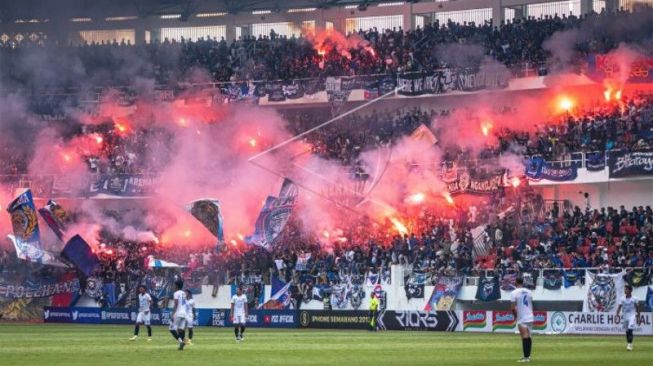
(447, 196)
(401, 228)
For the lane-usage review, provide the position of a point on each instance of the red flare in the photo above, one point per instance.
(515, 181)
(447, 196)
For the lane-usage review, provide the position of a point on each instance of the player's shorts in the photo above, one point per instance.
(144, 317)
(189, 322)
(177, 323)
(528, 325)
(629, 323)
(240, 319)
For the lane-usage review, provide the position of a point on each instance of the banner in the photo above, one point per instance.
(649, 299)
(444, 321)
(444, 293)
(552, 280)
(595, 162)
(423, 133)
(274, 216)
(123, 185)
(476, 321)
(629, 164)
(595, 323)
(208, 212)
(505, 322)
(488, 289)
(465, 183)
(344, 319)
(30, 253)
(448, 80)
(600, 67)
(44, 287)
(55, 216)
(414, 291)
(25, 225)
(281, 297)
(160, 263)
(538, 169)
(268, 319)
(638, 277)
(80, 254)
(604, 292)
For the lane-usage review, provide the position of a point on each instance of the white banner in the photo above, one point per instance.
(603, 292)
(594, 323)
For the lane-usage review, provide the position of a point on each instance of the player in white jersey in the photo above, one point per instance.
(178, 320)
(521, 304)
(144, 314)
(239, 314)
(630, 317)
(190, 315)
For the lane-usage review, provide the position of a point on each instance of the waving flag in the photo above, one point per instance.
(208, 212)
(274, 216)
(56, 217)
(25, 223)
(160, 263)
(80, 254)
(28, 252)
(280, 298)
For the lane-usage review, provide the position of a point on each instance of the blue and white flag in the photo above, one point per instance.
(281, 297)
(274, 216)
(160, 263)
(28, 252)
(209, 213)
(25, 224)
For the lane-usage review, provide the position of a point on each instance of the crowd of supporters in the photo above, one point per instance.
(276, 57)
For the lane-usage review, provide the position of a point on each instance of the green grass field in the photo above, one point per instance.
(70, 345)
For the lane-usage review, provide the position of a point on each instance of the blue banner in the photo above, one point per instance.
(79, 253)
(25, 224)
(123, 185)
(538, 169)
(274, 216)
(203, 317)
(42, 287)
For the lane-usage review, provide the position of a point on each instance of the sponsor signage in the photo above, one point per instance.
(503, 321)
(445, 321)
(266, 319)
(595, 323)
(338, 319)
(475, 321)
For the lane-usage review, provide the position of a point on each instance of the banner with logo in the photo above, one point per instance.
(638, 277)
(595, 162)
(595, 323)
(123, 185)
(274, 216)
(268, 319)
(477, 321)
(341, 319)
(488, 289)
(448, 80)
(603, 293)
(464, 182)
(538, 169)
(56, 217)
(444, 321)
(25, 225)
(630, 164)
(505, 322)
(444, 293)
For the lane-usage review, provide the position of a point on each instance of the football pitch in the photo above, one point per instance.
(90, 345)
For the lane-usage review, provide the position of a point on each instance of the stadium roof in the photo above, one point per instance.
(11, 10)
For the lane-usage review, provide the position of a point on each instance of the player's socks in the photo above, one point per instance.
(236, 332)
(242, 332)
(149, 331)
(529, 344)
(175, 335)
(190, 333)
(136, 329)
(182, 335)
(629, 336)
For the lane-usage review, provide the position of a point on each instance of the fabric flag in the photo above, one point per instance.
(160, 263)
(638, 277)
(414, 291)
(56, 217)
(444, 293)
(302, 262)
(649, 299)
(423, 133)
(569, 278)
(488, 289)
(80, 254)
(274, 216)
(552, 280)
(603, 292)
(25, 224)
(28, 253)
(280, 298)
(208, 212)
